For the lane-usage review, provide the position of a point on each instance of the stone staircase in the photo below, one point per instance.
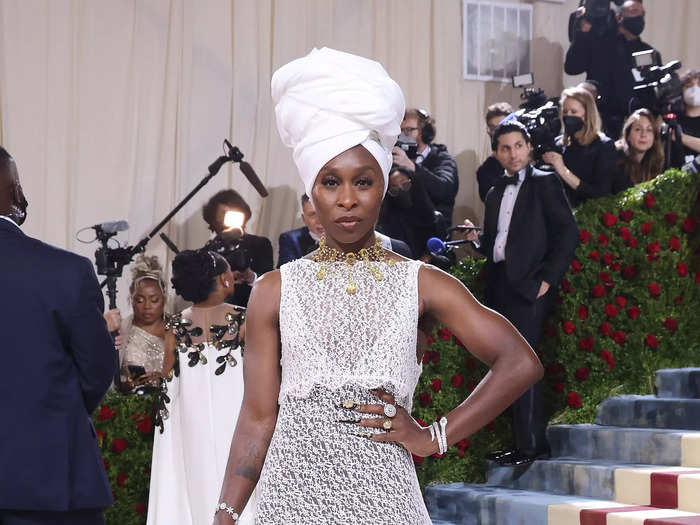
(638, 464)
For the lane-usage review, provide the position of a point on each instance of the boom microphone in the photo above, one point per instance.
(112, 226)
(253, 178)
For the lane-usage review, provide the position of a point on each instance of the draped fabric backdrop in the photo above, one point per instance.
(113, 109)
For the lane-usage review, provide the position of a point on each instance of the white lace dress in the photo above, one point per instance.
(336, 347)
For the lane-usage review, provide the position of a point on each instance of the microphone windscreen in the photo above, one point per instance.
(252, 177)
(436, 246)
(114, 226)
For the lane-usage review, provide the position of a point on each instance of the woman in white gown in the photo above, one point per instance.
(203, 359)
(325, 430)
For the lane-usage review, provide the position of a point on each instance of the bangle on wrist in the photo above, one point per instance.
(228, 509)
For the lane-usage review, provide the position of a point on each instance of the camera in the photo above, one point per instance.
(227, 244)
(540, 116)
(407, 144)
(658, 87)
(598, 14)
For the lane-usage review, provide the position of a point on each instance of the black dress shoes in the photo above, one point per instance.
(500, 454)
(516, 457)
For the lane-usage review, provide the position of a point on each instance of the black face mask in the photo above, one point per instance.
(634, 25)
(572, 124)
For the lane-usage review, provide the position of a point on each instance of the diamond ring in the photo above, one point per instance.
(389, 410)
(387, 424)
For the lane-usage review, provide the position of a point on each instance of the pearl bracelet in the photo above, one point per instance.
(228, 509)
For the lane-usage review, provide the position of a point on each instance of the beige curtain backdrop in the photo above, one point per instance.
(113, 109)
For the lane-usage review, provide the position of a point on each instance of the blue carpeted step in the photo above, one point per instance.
(650, 412)
(589, 479)
(652, 446)
(678, 382)
(463, 504)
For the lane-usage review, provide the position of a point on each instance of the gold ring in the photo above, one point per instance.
(387, 424)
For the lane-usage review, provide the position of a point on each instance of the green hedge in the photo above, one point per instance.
(629, 243)
(628, 306)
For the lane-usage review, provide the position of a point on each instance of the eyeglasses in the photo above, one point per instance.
(408, 130)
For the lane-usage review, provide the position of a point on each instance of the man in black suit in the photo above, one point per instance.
(59, 361)
(295, 244)
(258, 249)
(529, 238)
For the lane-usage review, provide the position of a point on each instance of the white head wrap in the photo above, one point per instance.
(330, 101)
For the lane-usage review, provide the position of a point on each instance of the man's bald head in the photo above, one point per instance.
(633, 8)
(12, 200)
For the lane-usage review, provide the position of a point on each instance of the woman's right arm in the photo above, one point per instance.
(258, 416)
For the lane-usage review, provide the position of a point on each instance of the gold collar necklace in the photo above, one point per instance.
(374, 253)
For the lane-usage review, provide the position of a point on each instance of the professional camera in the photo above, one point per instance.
(407, 144)
(227, 244)
(598, 14)
(659, 88)
(540, 116)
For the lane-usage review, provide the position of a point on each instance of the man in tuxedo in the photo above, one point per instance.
(295, 244)
(529, 238)
(59, 361)
(258, 249)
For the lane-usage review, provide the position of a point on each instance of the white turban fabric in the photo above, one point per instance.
(330, 101)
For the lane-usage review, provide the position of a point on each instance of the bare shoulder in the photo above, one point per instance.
(436, 288)
(265, 297)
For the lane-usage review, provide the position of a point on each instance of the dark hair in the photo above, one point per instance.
(426, 123)
(511, 126)
(195, 273)
(653, 161)
(500, 109)
(689, 76)
(5, 157)
(230, 198)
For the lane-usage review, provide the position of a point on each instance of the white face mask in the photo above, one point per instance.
(691, 96)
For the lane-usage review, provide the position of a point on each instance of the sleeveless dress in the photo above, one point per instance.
(190, 456)
(336, 347)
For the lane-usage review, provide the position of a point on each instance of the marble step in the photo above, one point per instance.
(678, 382)
(463, 504)
(649, 446)
(657, 486)
(650, 412)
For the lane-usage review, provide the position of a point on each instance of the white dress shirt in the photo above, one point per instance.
(9, 220)
(510, 194)
(422, 155)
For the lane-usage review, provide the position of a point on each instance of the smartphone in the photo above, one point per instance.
(136, 370)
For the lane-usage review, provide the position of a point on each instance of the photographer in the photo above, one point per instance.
(587, 165)
(255, 250)
(604, 53)
(434, 166)
(640, 153)
(491, 169)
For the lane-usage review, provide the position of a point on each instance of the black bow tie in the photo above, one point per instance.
(505, 180)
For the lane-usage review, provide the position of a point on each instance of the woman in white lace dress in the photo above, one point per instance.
(325, 430)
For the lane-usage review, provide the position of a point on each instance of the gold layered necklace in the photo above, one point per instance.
(375, 253)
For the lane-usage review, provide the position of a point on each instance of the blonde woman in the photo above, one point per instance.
(640, 152)
(587, 162)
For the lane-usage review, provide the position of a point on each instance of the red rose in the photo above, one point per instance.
(594, 256)
(586, 344)
(682, 269)
(459, 343)
(583, 312)
(671, 218)
(461, 453)
(689, 224)
(653, 248)
(649, 200)
(629, 271)
(105, 462)
(671, 324)
(626, 215)
(624, 232)
(470, 363)
(464, 444)
(575, 267)
(651, 340)
(573, 400)
(566, 286)
(616, 267)
(604, 277)
(611, 310)
(471, 385)
(621, 302)
(697, 277)
(121, 479)
(605, 329)
(445, 334)
(584, 236)
(118, 445)
(633, 312)
(654, 289)
(632, 242)
(141, 508)
(609, 219)
(606, 356)
(598, 291)
(619, 337)
(678, 300)
(558, 387)
(105, 413)
(145, 425)
(434, 357)
(430, 340)
(568, 327)
(424, 399)
(646, 227)
(582, 373)
(603, 239)
(426, 357)
(417, 459)
(421, 422)
(555, 370)
(101, 436)
(436, 385)
(457, 380)
(674, 244)
(608, 258)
